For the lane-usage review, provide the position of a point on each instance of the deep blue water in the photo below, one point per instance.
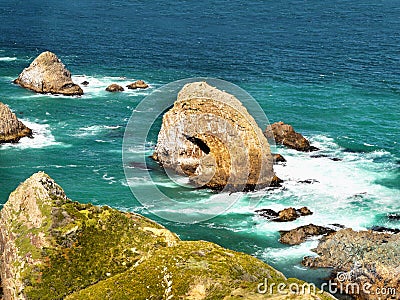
(330, 68)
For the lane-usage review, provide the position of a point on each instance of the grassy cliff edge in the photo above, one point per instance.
(54, 248)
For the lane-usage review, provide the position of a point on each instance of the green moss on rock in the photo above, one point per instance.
(56, 248)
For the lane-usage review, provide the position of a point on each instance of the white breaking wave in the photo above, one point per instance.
(7, 58)
(97, 85)
(42, 137)
(94, 130)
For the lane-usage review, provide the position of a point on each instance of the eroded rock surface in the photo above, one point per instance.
(364, 258)
(301, 234)
(47, 74)
(284, 134)
(209, 136)
(54, 248)
(11, 129)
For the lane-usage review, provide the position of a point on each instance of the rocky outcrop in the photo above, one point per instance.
(209, 136)
(366, 260)
(47, 74)
(114, 88)
(138, 84)
(285, 215)
(278, 158)
(284, 134)
(301, 234)
(54, 248)
(11, 129)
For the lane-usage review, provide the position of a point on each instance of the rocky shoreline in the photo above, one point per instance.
(53, 248)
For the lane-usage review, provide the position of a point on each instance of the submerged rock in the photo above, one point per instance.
(114, 88)
(209, 136)
(284, 134)
(54, 248)
(47, 74)
(300, 234)
(138, 84)
(11, 129)
(361, 258)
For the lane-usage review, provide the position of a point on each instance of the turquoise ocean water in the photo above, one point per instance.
(331, 69)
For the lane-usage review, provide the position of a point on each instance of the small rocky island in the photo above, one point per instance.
(55, 248)
(47, 74)
(11, 129)
(209, 136)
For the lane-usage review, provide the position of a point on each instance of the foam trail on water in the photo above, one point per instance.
(7, 58)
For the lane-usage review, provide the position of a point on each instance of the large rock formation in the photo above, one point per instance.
(366, 260)
(209, 136)
(11, 129)
(53, 248)
(284, 134)
(47, 74)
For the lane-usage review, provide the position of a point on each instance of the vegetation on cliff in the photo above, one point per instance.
(55, 248)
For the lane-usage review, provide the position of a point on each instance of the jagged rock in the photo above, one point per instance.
(278, 158)
(85, 83)
(11, 129)
(114, 88)
(139, 84)
(285, 215)
(284, 134)
(54, 248)
(300, 234)
(361, 258)
(47, 74)
(209, 136)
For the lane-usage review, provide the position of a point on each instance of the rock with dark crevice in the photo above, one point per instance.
(284, 134)
(11, 129)
(209, 136)
(47, 74)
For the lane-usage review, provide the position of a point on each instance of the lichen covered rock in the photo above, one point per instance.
(11, 129)
(47, 74)
(209, 136)
(365, 259)
(54, 248)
